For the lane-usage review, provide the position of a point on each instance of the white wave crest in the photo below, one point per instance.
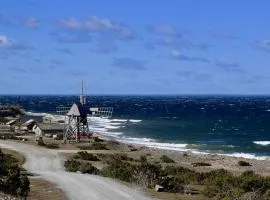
(148, 142)
(248, 156)
(135, 120)
(263, 143)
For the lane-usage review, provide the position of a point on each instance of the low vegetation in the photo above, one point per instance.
(83, 167)
(243, 163)
(49, 146)
(216, 184)
(93, 146)
(200, 164)
(12, 181)
(166, 159)
(87, 156)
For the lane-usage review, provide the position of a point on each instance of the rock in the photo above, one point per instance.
(159, 188)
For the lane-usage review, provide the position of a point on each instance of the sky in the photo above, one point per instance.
(141, 47)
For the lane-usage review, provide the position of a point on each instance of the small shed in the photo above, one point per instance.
(28, 125)
(11, 122)
(48, 129)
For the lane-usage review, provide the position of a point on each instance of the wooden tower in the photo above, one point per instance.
(77, 125)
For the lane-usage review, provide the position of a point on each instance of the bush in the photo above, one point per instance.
(11, 179)
(113, 142)
(87, 156)
(41, 143)
(171, 184)
(72, 165)
(94, 146)
(200, 164)
(97, 139)
(52, 146)
(243, 163)
(119, 170)
(133, 149)
(143, 159)
(59, 136)
(183, 175)
(166, 159)
(88, 168)
(123, 156)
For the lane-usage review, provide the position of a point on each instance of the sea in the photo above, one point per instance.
(227, 125)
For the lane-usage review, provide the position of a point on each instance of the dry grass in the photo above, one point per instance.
(43, 190)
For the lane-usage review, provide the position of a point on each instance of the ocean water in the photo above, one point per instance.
(231, 125)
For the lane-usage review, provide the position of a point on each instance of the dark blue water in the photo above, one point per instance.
(208, 123)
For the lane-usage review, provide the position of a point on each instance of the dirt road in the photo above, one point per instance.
(48, 164)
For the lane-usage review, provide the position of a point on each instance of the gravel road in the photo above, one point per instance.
(47, 163)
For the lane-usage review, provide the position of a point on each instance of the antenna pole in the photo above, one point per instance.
(82, 96)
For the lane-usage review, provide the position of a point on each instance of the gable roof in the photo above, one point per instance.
(77, 110)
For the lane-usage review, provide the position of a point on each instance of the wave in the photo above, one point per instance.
(263, 143)
(134, 120)
(107, 127)
(148, 142)
(247, 155)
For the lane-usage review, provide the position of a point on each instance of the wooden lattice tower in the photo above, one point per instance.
(77, 125)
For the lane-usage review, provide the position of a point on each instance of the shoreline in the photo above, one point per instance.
(152, 143)
(183, 150)
(180, 159)
(186, 158)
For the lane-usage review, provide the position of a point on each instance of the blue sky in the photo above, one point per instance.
(135, 47)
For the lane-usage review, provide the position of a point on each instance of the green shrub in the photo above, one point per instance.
(166, 159)
(88, 168)
(119, 170)
(113, 142)
(97, 139)
(11, 179)
(94, 146)
(200, 164)
(171, 184)
(143, 159)
(41, 143)
(133, 149)
(72, 165)
(243, 163)
(52, 146)
(123, 156)
(183, 175)
(87, 156)
(59, 136)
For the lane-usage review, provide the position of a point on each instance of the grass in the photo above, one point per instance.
(166, 159)
(94, 146)
(49, 146)
(200, 164)
(216, 184)
(87, 156)
(83, 167)
(12, 180)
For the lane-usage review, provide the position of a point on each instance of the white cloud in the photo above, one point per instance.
(175, 53)
(97, 25)
(263, 45)
(5, 41)
(226, 63)
(164, 30)
(178, 56)
(32, 22)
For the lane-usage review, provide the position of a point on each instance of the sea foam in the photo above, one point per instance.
(263, 143)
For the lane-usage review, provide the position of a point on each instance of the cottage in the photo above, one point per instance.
(28, 125)
(48, 130)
